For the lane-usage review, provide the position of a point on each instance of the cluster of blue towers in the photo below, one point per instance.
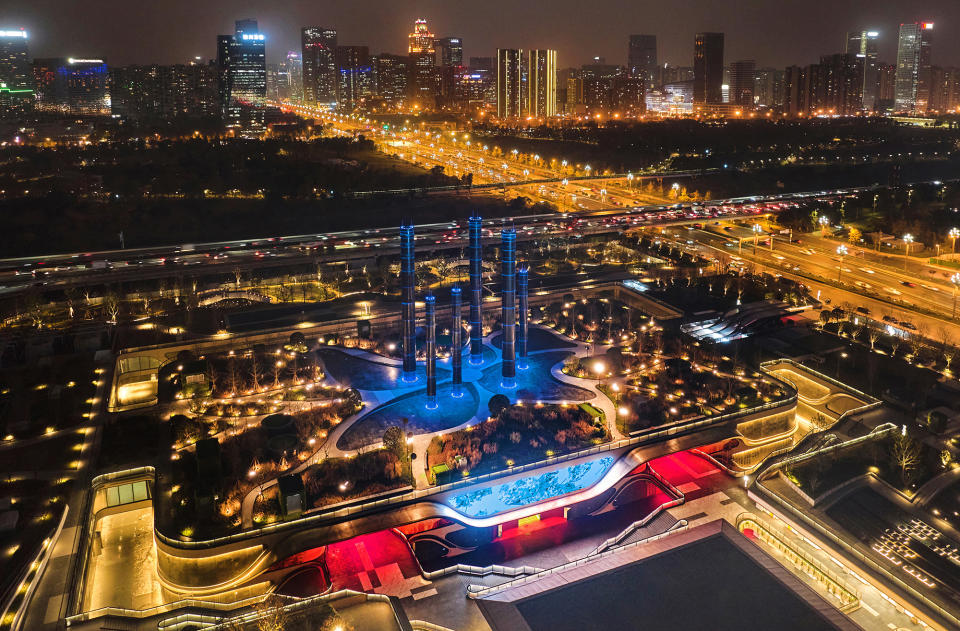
(514, 289)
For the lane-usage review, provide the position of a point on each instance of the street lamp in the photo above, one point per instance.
(842, 251)
(824, 222)
(953, 234)
(757, 229)
(907, 240)
(630, 180)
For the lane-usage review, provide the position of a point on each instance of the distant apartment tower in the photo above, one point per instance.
(164, 92)
(864, 45)
(318, 54)
(356, 77)
(390, 74)
(708, 68)
(450, 71)
(73, 86)
(509, 82)
(642, 60)
(841, 84)
(422, 84)
(913, 60)
(886, 87)
(794, 91)
(742, 77)
(541, 83)
(768, 88)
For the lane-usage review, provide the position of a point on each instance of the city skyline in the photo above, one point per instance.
(750, 27)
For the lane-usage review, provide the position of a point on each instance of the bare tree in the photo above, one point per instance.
(873, 335)
(255, 372)
(905, 456)
(111, 306)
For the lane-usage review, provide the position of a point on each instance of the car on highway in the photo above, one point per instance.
(890, 319)
(863, 310)
(907, 283)
(908, 325)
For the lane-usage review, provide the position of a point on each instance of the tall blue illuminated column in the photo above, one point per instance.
(523, 281)
(476, 289)
(431, 304)
(456, 344)
(508, 308)
(408, 305)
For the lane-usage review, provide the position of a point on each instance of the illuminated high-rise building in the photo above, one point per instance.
(16, 78)
(913, 61)
(422, 84)
(863, 44)
(541, 78)
(291, 77)
(708, 68)
(450, 51)
(510, 80)
(390, 78)
(642, 60)
(319, 61)
(242, 62)
(356, 77)
(73, 86)
(163, 92)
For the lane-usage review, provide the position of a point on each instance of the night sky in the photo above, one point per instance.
(774, 32)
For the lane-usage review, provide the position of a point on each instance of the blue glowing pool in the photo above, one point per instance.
(450, 412)
(535, 383)
(364, 374)
(508, 496)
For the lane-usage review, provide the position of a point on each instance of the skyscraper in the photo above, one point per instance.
(450, 51)
(356, 76)
(423, 59)
(541, 84)
(318, 48)
(863, 44)
(642, 59)
(913, 60)
(509, 82)
(73, 86)
(243, 74)
(16, 78)
(291, 79)
(708, 68)
(390, 77)
(768, 87)
(742, 76)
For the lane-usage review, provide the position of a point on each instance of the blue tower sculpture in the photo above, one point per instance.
(523, 281)
(431, 305)
(456, 344)
(476, 288)
(508, 308)
(408, 305)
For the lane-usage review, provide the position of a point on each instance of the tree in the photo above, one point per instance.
(854, 236)
(395, 442)
(905, 457)
(111, 306)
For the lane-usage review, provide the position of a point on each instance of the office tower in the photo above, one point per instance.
(423, 58)
(642, 59)
(408, 305)
(768, 87)
(356, 77)
(456, 340)
(541, 84)
(708, 68)
(510, 97)
(913, 59)
(16, 76)
(743, 74)
(390, 77)
(318, 54)
(290, 78)
(242, 62)
(508, 306)
(430, 304)
(475, 251)
(73, 86)
(273, 85)
(450, 51)
(863, 44)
